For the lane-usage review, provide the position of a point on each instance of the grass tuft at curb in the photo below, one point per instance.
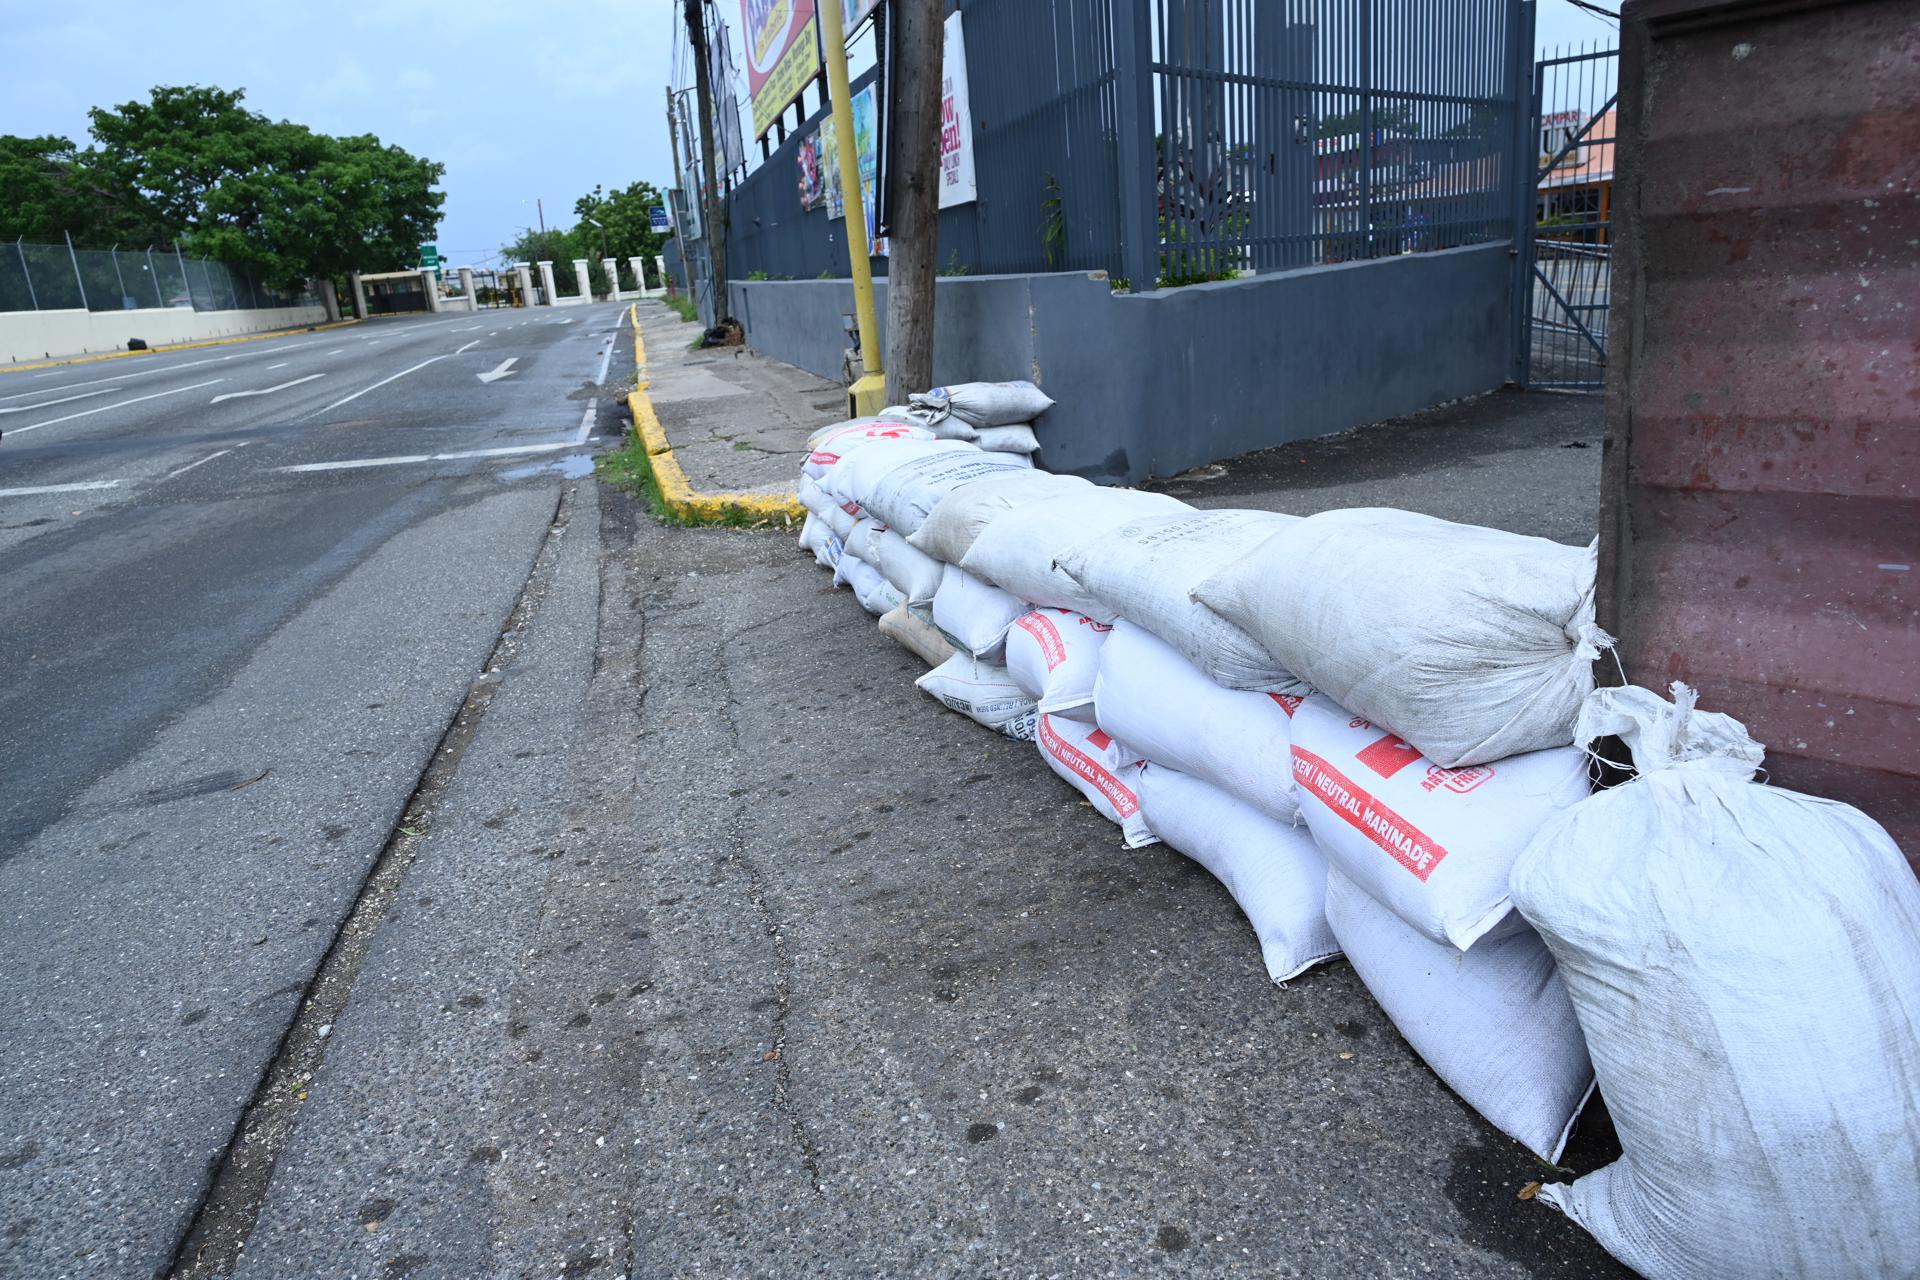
(647, 467)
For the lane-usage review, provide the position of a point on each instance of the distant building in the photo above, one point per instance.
(1576, 196)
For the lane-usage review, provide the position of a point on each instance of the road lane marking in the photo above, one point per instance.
(503, 369)
(283, 364)
(264, 391)
(120, 404)
(383, 382)
(48, 404)
(469, 346)
(180, 471)
(58, 488)
(336, 351)
(593, 406)
(507, 451)
(469, 329)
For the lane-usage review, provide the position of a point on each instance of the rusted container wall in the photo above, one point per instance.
(1761, 522)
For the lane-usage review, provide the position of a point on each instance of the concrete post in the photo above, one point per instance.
(580, 275)
(546, 283)
(612, 267)
(359, 295)
(638, 264)
(661, 263)
(466, 287)
(523, 277)
(431, 281)
(330, 299)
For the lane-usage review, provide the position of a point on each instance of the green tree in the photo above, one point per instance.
(48, 188)
(627, 216)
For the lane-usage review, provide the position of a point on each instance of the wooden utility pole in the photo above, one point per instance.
(716, 211)
(913, 239)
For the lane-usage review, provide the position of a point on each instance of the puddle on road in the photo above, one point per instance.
(573, 467)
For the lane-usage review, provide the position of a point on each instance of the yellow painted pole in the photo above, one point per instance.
(869, 394)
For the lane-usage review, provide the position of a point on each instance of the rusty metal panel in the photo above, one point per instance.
(1761, 516)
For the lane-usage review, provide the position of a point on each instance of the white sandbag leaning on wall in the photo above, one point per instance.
(1154, 700)
(1746, 963)
(983, 692)
(949, 530)
(1494, 1022)
(1015, 437)
(830, 444)
(1472, 644)
(1145, 570)
(1054, 654)
(984, 404)
(915, 574)
(1100, 769)
(976, 614)
(1275, 872)
(1434, 845)
(1016, 551)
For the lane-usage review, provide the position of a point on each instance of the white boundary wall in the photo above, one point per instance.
(40, 335)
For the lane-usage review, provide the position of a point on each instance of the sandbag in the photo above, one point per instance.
(974, 613)
(839, 517)
(916, 635)
(813, 533)
(956, 520)
(984, 404)
(831, 443)
(1054, 654)
(1145, 570)
(1273, 871)
(1151, 698)
(1746, 963)
(1085, 757)
(1495, 1022)
(1017, 437)
(915, 574)
(875, 594)
(1472, 644)
(901, 495)
(1433, 845)
(865, 468)
(983, 692)
(1015, 552)
(943, 425)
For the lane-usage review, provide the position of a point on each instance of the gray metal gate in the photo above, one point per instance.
(1567, 249)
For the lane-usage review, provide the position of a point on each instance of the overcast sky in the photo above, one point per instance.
(520, 100)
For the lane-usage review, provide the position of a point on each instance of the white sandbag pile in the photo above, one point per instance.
(1363, 724)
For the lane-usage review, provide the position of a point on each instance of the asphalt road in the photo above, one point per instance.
(247, 588)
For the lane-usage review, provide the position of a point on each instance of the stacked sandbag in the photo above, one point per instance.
(1054, 654)
(1472, 644)
(1745, 962)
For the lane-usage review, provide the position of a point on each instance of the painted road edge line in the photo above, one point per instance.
(177, 346)
(670, 480)
(59, 488)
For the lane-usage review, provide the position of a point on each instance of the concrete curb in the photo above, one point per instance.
(676, 494)
(177, 346)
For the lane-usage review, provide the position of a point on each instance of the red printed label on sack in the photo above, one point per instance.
(1458, 781)
(824, 458)
(1289, 702)
(1041, 628)
(1099, 740)
(1387, 756)
(1400, 839)
(1124, 802)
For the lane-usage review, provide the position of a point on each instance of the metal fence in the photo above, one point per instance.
(57, 277)
(1168, 141)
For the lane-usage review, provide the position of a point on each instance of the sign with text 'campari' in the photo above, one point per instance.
(783, 54)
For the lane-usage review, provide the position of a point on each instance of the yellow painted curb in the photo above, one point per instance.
(178, 346)
(678, 496)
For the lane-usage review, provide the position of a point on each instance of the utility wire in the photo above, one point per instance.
(1608, 14)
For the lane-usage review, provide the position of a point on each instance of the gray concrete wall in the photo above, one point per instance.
(1154, 383)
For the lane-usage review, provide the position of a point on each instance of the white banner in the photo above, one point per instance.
(956, 120)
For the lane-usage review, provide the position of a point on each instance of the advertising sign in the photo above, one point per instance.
(813, 191)
(856, 11)
(865, 142)
(783, 54)
(956, 120)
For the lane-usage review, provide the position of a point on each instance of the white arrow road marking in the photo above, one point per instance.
(48, 404)
(504, 368)
(264, 391)
(118, 404)
(383, 382)
(58, 488)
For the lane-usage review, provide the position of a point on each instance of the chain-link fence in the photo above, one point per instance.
(56, 277)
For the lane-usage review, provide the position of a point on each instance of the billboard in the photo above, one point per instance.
(956, 120)
(865, 139)
(783, 53)
(856, 11)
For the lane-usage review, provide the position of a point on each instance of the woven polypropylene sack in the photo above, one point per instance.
(1016, 551)
(916, 635)
(1746, 963)
(853, 478)
(902, 496)
(1274, 871)
(1153, 699)
(838, 516)
(1145, 571)
(1472, 644)
(1088, 759)
(875, 594)
(829, 445)
(914, 573)
(1435, 845)
(976, 614)
(983, 692)
(1054, 654)
(984, 404)
(949, 530)
(1016, 437)
(1494, 1022)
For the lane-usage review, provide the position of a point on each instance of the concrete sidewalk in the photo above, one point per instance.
(738, 422)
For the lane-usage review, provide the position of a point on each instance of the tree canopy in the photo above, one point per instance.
(193, 167)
